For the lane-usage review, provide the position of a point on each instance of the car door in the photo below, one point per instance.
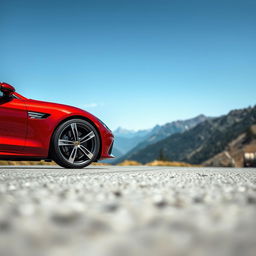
(13, 124)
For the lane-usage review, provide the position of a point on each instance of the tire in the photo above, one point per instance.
(75, 144)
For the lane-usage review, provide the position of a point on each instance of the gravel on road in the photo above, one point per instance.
(119, 211)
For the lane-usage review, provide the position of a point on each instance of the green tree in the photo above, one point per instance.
(161, 156)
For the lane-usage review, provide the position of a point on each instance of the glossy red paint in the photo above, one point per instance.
(23, 137)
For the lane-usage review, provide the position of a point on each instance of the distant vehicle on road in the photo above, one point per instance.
(37, 130)
(250, 159)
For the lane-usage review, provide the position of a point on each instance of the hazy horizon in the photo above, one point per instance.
(160, 124)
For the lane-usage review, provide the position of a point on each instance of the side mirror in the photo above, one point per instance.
(7, 89)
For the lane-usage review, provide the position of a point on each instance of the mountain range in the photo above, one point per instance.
(128, 141)
(198, 143)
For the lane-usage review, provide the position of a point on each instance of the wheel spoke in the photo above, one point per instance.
(74, 131)
(66, 143)
(86, 151)
(87, 137)
(72, 156)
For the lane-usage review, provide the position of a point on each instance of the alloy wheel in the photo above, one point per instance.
(77, 143)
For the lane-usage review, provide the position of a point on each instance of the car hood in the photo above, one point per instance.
(50, 106)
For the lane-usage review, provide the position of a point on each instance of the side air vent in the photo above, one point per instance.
(37, 115)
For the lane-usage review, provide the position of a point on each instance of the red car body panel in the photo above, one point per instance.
(22, 136)
(13, 126)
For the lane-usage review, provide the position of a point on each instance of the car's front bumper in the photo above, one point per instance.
(107, 145)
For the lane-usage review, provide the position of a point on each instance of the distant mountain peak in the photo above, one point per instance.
(127, 133)
(120, 130)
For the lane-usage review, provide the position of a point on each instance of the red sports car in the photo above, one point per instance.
(37, 130)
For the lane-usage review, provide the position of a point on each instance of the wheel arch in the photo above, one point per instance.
(76, 117)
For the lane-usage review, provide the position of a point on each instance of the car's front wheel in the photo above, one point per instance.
(75, 144)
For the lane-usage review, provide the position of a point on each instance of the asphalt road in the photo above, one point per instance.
(121, 211)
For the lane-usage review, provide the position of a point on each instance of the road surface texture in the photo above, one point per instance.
(124, 211)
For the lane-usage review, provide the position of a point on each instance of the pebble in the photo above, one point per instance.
(117, 193)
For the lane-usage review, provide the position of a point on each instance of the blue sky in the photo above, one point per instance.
(132, 63)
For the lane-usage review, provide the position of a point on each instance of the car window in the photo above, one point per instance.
(12, 96)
